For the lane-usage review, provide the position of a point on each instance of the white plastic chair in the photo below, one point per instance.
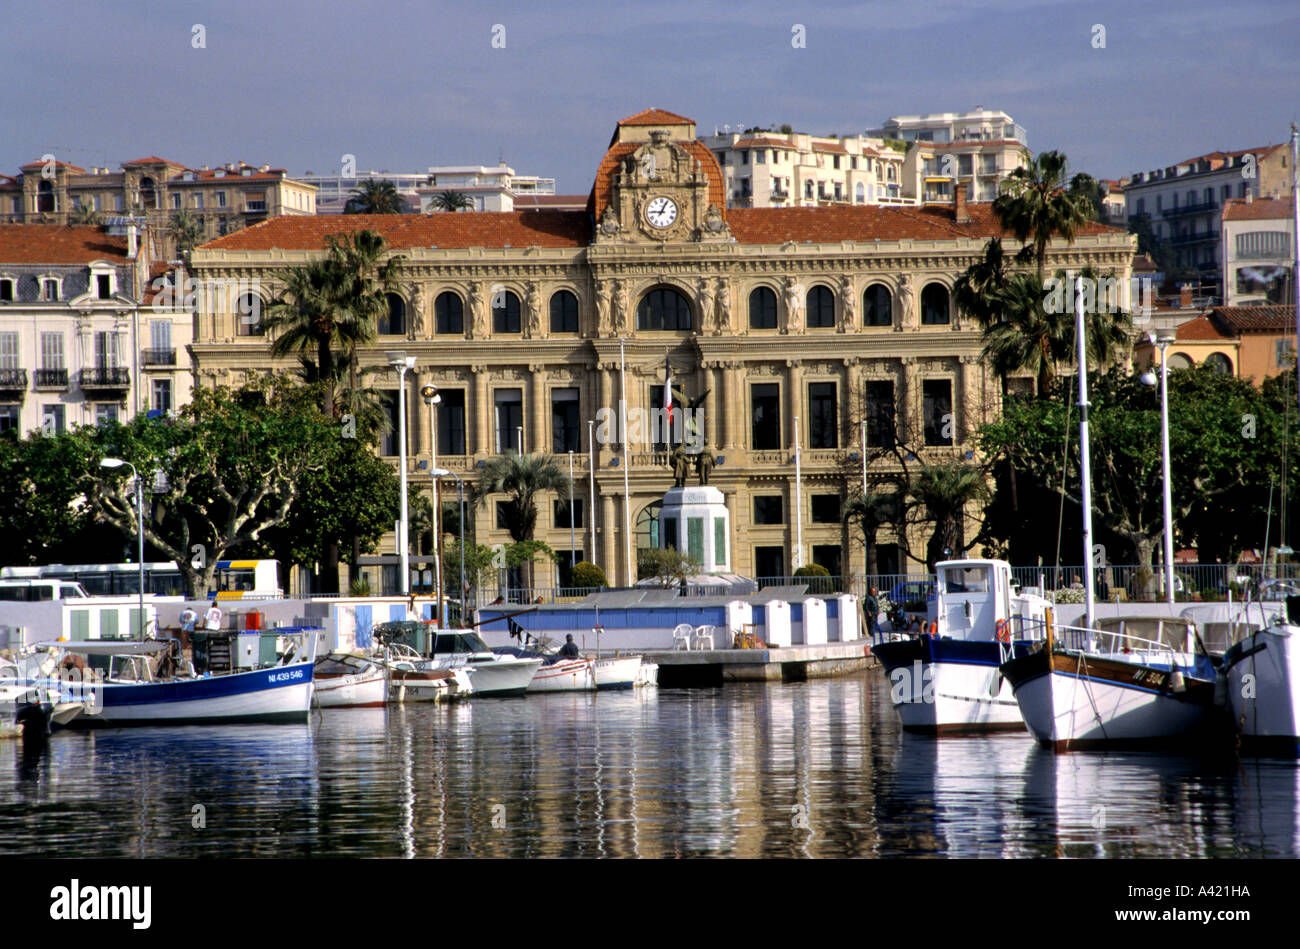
(682, 636)
(702, 638)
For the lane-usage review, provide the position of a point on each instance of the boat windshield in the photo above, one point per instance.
(459, 642)
(966, 580)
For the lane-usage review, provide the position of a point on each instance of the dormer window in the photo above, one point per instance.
(50, 290)
(104, 286)
(246, 172)
(220, 173)
(6, 290)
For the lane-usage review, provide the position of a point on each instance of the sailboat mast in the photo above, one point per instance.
(1295, 250)
(1085, 466)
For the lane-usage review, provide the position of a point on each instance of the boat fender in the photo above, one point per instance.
(1003, 630)
(995, 684)
(1176, 682)
(934, 630)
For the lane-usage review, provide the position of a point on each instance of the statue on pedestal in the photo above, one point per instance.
(704, 464)
(681, 466)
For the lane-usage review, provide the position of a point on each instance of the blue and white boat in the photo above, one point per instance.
(147, 683)
(947, 679)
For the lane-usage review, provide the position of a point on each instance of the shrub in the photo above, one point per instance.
(586, 574)
(818, 577)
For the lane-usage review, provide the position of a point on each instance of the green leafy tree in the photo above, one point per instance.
(186, 229)
(233, 463)
(942, 493)
(42, 509)
(83, 215)
(521, 478)
(667, 566)
(869, 513)
(586, 575)
(376, 197)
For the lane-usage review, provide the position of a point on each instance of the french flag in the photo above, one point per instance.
(668, 398)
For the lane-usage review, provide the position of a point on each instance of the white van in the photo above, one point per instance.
(34, 591)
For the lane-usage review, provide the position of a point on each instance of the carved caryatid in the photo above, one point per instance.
(906, 303)
(603, 325)
(704, 296)
(723, 318)
(533, 313)
(477, 311)
(416, 323)
(848, 309)
(618, 308)
(793, 293)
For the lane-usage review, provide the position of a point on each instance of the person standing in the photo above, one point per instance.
(872, 607)
(213, 618)
(188, 619)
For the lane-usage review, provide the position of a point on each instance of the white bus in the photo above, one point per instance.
(235, 579)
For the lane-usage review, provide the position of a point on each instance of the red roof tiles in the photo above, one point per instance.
(58, 244)
(656, 117)
(1255, 319)
(1257, 209)
(1201, 328)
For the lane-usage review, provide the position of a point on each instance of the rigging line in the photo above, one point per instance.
(1060, 516)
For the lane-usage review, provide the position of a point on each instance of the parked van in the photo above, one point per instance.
(34, 591)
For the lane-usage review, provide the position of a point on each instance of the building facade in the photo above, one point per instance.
(83, 339)
(811, 326)
(1256, 249)
(977, 148)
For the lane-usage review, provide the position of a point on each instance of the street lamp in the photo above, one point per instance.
(573, 546)
(1149, 378)
(797, 559)
(402, 362)
(139, 514)
(433, 400)
(460, 493)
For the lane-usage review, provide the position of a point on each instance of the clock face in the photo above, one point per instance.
(661, 212)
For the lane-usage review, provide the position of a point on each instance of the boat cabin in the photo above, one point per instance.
(976, 595)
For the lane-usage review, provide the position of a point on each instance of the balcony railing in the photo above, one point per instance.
(255, 207)
(159, 357)
(1194, 238)
(51, 378)
(105, 377)
(11, 379)
(1204, 207)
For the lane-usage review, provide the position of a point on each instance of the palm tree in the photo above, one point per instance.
(376, 197)
(186, 230)
(307, 319)
(451, 201)
(83, 214)
(1037, 203)
(521, 478)
(944, 491)
(366, 280)
(869, 512)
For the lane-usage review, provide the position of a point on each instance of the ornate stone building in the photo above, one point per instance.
(836, 316)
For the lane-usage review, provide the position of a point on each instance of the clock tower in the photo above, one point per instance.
(657, 184)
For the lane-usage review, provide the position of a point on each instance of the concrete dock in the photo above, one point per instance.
(775, 664)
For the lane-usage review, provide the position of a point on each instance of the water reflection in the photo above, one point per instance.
(751, 770)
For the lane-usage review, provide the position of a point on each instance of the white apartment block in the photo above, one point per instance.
(978, 148)
(1256, 251)
(773, 170)
(489, 188)
(79, 344)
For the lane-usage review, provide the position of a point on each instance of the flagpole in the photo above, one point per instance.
(1084, 457)
(627, 491)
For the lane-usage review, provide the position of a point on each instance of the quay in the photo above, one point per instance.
(706, 667)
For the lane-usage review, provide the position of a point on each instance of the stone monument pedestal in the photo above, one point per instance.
(695, 521)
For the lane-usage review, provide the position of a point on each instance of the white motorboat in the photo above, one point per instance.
(560, 674)
(29, 711)
(350, 680)
(413, 678)
(946, 680)
(618, 672)
(490, 674)
(1093, 688)
(1262, 673)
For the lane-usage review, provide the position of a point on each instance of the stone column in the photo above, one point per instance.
(481, 414)
(608, 558)
(794, 403)
(420, 415)
(910, 402)
(535, 438)
(852, 397)
(972, 397)
(735, 406)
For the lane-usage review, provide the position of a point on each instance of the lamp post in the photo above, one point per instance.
(139, 516)
(1148, 378)
(797, 560)
(627, 491)
(402, 362)
(591, 486)
(433, 400)
(573, 546)
(460, 495)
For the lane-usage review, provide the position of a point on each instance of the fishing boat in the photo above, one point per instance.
(1097, 688)
(490, 674)
(618, 672)
(29, 711)
(350, 680)
(947, 680)
(1262, 673)
(146, 682)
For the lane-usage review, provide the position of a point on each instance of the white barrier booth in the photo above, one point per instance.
(813, 627)
(776, 629)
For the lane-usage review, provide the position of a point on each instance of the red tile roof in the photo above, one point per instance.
(603, 186)
(1201, 328)
(58, 164)
(58, 244)
(833, 147)
(151, 160)
(1257, 209)
(763, 142)
(464, 229)
(1255, 319)
(869, 222)
(656, 117)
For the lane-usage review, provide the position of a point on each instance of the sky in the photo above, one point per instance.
(405, 85)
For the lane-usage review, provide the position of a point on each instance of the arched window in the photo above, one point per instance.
(875, 306)
(762, 309)
(807, 189)
(148, 198)
(860, 194)
(393, 323)
(821, 307)
(45, 196)
(663, 308)
(647, 525)
(248, 315)
(564, 312)
(1179, 361)
(1219, 363)
(448, 314)
(934, 305)
(505, 313)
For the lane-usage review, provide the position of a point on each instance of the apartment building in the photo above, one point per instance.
(84, 336)
(977, 148)
(1257, 250)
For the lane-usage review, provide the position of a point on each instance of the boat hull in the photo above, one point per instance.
(497, 679)
(361, 690)
(944, 686)
(429, 685)
(568, 675)
(1074, 701)
(621, 672)
(277, 695)
(1263, 690)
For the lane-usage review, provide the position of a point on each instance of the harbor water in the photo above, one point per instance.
(807, 769)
